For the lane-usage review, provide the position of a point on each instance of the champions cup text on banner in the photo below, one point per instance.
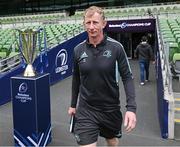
(134, 25)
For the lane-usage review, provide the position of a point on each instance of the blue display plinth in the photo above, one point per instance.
(31, 110)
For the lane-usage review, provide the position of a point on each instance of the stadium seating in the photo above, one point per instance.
(2, 55)
(173, 48)
(171, 33)
(176, 65)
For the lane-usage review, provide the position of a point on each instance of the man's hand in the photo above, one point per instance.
(71, 111)
(129, 121)
(153, 62)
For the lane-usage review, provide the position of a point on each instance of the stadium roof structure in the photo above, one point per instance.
(16, 7)
(34, 6)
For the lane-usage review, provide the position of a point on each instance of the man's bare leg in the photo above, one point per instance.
(113, 142)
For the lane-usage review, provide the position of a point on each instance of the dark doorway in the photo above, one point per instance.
(125, 39)
(131, 40)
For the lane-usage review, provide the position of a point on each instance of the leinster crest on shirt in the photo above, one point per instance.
(107, 53)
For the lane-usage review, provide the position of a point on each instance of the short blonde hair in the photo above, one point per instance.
(93, 9)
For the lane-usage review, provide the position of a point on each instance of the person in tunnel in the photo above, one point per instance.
(144, 54)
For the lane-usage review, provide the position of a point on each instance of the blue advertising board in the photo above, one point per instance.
(31, 110)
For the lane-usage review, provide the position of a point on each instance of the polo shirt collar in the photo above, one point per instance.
(102, 43)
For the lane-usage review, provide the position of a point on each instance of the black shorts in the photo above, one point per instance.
(90, 124)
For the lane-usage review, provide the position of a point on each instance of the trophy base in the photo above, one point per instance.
(29, 71)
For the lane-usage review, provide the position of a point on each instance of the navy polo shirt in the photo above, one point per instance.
(96, 74)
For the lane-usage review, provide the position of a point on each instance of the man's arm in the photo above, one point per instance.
(75, 86)
(130, 94)
(130, 115)
(128, 82)
(136, 52)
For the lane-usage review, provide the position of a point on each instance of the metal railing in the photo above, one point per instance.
(167, 80)
(9, 63)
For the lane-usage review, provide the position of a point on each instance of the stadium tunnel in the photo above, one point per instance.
(129, 33)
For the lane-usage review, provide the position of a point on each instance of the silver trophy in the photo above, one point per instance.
(28, 40)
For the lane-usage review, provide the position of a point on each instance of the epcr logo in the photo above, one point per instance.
(123, 25)
(23, 88)
(61, 58)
